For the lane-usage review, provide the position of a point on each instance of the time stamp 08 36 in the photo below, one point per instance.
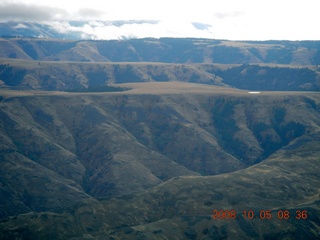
(262, 214)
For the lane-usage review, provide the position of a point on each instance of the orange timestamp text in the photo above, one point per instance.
(262, 214)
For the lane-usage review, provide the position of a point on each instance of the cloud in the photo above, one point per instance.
(21, 26)
(229, 19)
(132, 29)
(26, 12)
(222, 15)
(89, 13)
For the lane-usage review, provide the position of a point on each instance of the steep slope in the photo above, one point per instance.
(140, 163)
(183, 207)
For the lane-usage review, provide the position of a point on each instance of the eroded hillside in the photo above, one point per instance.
(74, 76)
(158, 159)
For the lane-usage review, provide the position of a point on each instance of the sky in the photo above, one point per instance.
(215, 19)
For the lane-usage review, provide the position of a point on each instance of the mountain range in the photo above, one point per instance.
(159, 139)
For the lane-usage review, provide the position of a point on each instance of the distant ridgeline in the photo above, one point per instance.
(166, 50)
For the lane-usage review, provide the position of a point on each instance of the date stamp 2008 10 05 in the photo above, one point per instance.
(263, 214)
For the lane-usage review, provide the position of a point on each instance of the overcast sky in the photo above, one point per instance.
(219, 19)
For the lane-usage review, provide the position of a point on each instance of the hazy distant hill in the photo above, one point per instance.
(167, 50)
(155, 161)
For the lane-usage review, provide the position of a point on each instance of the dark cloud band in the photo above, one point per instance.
(25, 12)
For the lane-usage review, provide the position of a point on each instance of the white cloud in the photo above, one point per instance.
(222, 15)
(112, 30)
(21, 26)
(229, 19)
